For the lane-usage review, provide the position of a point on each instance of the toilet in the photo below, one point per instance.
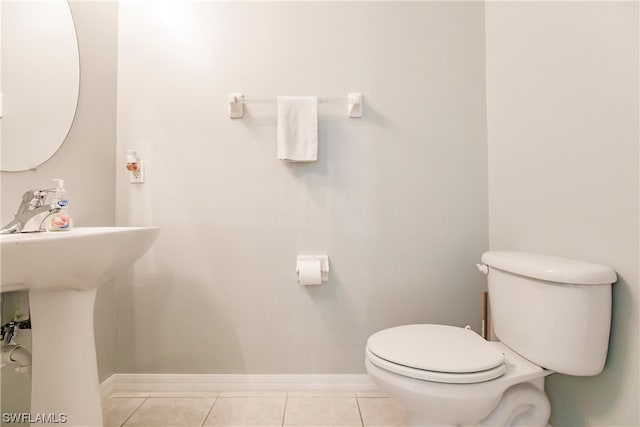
(550, 314)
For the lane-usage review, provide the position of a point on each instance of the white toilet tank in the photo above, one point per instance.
(555, 312)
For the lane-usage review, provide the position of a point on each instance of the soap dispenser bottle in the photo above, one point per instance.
(60, 220)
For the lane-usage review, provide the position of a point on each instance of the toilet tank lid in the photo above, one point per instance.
(550, 268)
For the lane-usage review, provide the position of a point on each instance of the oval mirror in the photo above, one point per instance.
(39, 80)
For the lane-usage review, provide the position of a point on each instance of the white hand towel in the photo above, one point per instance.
(298, 128)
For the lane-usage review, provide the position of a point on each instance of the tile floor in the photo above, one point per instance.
(302, 409)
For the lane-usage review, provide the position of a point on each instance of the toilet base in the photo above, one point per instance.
(435, 404)
(515, 399)
(520, 405)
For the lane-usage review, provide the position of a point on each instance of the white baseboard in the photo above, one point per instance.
(232, 382)
(106, 386)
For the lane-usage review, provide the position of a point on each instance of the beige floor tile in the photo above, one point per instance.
(118, 394)
(116, 411)
(322, 411)
(247, 411)
(322, 393)
(172, 412)
(377, 412)
(183, 394)
(253, 393)
(371, 393)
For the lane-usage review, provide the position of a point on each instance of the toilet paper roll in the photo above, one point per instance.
(309, 273)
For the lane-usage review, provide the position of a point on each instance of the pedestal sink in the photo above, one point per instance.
(62, 271)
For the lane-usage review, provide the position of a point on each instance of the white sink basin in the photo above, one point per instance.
(62, 271)
(82, 258)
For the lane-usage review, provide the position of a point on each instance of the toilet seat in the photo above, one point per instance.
(438, 353)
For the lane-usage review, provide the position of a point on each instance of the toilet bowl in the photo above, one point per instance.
(541, 307)
(469, 396)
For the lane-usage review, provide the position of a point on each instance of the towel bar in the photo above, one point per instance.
(237, 101)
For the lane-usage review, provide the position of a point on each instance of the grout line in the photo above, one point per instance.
(284, 413)
(133, 412)
(209, 413)
(359, 411)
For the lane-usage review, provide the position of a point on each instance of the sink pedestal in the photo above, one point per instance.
(64, 370)
(62, 271)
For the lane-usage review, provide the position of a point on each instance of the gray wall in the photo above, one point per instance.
(398, 198)
(562, 104)
(87, 158)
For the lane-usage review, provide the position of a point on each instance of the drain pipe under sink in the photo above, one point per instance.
(15, 353)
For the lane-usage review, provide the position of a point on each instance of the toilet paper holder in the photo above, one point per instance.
(324, 264)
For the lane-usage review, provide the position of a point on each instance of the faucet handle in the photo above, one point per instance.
(31, 195)
(33, 199)
(28, 196)
(27, 200)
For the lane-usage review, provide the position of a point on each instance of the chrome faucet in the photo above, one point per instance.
(31, 213)
(8, 332)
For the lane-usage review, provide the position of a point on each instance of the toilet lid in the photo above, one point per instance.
(437, 348)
